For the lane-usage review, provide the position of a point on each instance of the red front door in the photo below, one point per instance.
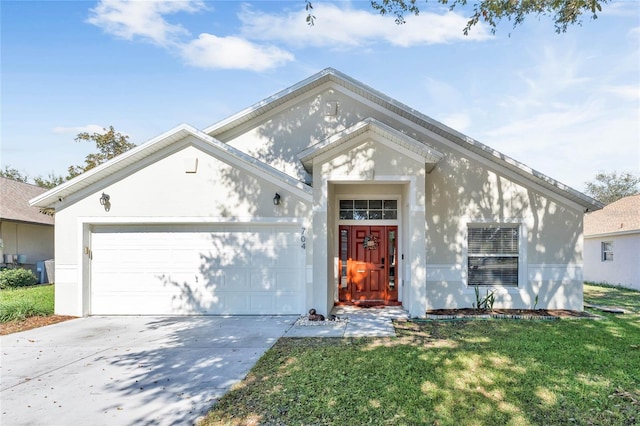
(368, 264)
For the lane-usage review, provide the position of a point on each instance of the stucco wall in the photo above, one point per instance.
(460, 191)
(463, 188)
(623, 270)
(160, 190)
(278, 139)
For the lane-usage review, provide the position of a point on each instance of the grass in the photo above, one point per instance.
(24, 302)
(583, 372)
(608, 295)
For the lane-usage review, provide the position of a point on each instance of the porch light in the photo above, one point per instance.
(104, 199)
(276, 200)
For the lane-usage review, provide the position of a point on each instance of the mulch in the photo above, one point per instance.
(31, 322)
(509, 313)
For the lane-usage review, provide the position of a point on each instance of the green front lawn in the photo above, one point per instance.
(24, 302)
(574, 372)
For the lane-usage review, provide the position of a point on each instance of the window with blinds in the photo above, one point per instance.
(493, 255)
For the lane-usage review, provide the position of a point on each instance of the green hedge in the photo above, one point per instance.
(12, 278)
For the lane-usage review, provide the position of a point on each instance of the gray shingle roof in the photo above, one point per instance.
(14, 202)
(622, 216)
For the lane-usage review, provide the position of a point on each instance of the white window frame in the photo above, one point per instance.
(521, 255)
(368, 199)
(606, 251)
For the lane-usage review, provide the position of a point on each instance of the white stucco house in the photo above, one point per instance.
(328, 192)
(612, 244)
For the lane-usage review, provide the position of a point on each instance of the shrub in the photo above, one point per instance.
(10, 278)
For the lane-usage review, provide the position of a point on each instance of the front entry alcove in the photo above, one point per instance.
(367, 242)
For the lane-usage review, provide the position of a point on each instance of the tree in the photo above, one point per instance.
(15, 174)
(51, 181)
(47, 182)
(491, 12)
(609, 187)
(110, 144)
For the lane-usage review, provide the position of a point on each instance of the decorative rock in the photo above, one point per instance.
(305, 321)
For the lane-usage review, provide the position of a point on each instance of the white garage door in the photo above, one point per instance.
(196, 270)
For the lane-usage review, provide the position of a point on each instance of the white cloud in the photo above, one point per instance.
(447, 95)
(629, 92)
(343, 27)
(254, 49)
(620, 8)
(568, 114)
(89, 128)
(129, 19)
(573, 145)
(210, 51)
(459, 121)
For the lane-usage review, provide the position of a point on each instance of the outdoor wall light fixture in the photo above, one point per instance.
(276, 199)
(104, 201)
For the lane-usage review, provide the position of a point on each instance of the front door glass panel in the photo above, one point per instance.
(344, 252)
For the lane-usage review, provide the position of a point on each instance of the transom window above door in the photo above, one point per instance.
(368, 209)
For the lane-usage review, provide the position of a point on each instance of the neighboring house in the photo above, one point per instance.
(612, 244)
(327, 192)
(25, 233)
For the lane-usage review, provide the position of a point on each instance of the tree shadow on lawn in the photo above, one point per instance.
(538, 372)
(461, 372)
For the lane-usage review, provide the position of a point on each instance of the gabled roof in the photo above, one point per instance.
(619, 217)
(371, 125)
(330, 75)
(14, 202)
(140, 152)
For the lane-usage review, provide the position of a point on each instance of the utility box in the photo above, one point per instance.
(41, 273)
(50, 268)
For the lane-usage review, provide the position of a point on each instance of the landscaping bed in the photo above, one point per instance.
(28, 307)
(31, 322)
(540, 314)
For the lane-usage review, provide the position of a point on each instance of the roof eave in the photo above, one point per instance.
(612, 233)
(57, 194)
(429, 154)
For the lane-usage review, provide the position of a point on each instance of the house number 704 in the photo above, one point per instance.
(303, 239)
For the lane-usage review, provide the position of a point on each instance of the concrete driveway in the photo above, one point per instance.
(128, 370)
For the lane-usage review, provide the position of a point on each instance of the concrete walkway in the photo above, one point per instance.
(361, 322)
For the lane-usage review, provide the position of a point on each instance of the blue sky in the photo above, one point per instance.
(566, 104)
